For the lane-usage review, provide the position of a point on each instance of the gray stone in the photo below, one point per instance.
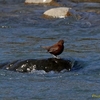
(38, 1)
(60, 12)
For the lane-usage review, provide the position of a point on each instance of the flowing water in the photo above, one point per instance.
(22, 32)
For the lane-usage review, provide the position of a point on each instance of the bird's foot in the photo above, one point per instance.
(56, 57)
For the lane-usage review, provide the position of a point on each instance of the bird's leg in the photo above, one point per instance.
(56, 57)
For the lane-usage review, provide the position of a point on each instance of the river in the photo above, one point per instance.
(22, 32)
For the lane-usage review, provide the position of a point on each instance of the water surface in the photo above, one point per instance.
(22, 32)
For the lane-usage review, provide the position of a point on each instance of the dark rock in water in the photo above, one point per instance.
(50, 64)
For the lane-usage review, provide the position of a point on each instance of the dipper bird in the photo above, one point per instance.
(55, 49)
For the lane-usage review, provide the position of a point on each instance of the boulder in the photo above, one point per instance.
(29, 65)
(48, 2)
(59, 12)
(38, 1)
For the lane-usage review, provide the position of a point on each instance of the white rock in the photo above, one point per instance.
(60, 12)
(38, 1)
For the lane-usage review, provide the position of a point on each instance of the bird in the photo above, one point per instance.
(55, 49)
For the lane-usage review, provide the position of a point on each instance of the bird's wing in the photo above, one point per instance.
(53, 49)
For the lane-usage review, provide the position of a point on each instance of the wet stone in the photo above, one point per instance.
(59, 12)
(50, 64)
(38, 1)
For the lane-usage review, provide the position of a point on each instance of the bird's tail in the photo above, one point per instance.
(45, 47)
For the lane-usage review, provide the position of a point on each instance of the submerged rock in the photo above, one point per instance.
(60, 12)
(50, 64)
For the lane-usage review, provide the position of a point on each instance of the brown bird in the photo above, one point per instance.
(55, 49)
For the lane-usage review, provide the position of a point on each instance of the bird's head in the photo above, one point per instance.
(61, 41)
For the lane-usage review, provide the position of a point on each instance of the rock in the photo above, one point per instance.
(49, 2)
(60, 12)
(38, 1)
(29, 65)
